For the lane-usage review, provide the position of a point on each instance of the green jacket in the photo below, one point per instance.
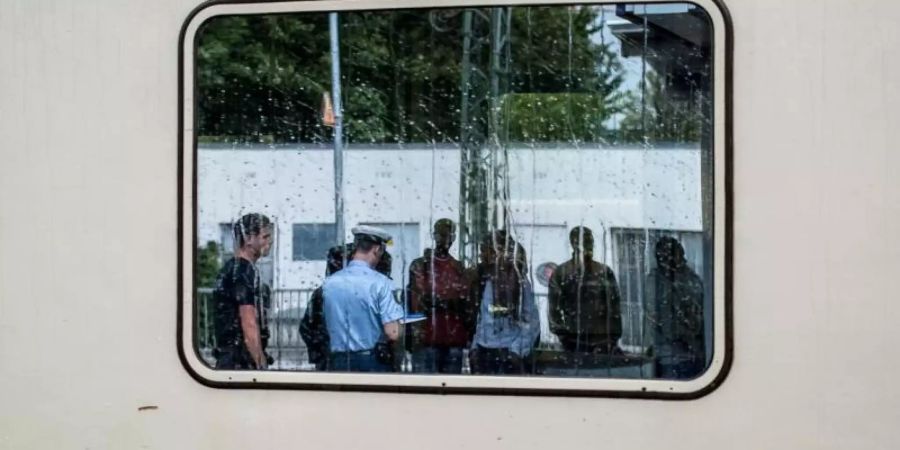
(585, 307)
(674, 313)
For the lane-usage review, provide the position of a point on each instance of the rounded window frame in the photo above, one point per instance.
(707, 382)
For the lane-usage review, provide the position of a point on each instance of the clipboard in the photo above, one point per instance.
(412, 318)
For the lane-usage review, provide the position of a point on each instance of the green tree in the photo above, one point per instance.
(208, 266)
(661, 116)
(556, 117)
(262, 78)
(566, 80)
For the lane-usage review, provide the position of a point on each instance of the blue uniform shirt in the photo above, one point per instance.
(358, 302)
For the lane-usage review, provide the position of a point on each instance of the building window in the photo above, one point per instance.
(226, 241)
(551, 176)
(311, 241)
(635, 255)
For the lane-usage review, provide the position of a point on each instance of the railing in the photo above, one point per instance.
(282, 317)
(287, 307)
(284, 314)
(204, 335)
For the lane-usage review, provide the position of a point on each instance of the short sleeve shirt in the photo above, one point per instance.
(237, 284)
(358, 302)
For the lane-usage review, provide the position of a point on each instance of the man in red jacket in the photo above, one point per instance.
(439, 288)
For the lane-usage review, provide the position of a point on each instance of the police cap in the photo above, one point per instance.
(371, 233)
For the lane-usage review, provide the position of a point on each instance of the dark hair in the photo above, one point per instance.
(505, 246)
(384, 264)
(444, 226)
(249, 225)
(365, 244)
(335, 261)
(510, 265)
(669, 250)
(499, 238)
(580, 233)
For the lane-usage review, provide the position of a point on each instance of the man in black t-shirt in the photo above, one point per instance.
(238, 300)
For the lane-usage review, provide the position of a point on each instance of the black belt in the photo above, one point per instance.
(358, 352)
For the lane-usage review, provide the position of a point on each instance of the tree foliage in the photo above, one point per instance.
(207, 264)
(263, 78)
(660, 116)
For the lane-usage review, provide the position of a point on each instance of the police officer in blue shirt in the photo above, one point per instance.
(360, 311)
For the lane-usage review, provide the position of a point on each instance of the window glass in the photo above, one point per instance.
(403, 250)
(521, 190)
(312, 241)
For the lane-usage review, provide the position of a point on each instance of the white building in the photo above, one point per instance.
(406, 188)
(620, 192)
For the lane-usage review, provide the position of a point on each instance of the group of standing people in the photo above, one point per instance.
(355, 323)
(488, 309)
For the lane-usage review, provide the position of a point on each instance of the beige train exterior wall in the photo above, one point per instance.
(88, 226)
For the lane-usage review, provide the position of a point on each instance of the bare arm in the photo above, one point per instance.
(251, 335)
(392, 330)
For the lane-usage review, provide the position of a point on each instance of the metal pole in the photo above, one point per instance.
(465, 173)
(338, 128)
(494, 119)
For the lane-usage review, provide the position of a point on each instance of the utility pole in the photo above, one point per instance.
(483, 188)
(338, 128)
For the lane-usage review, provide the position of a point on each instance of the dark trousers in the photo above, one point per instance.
(683, 370)
(233, 359)
(437, 360)
(588, 344)
(364, 361)
(496, 361)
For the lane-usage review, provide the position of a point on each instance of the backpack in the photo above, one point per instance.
(313, 330)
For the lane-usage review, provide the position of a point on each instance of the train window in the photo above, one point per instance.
(526, 198)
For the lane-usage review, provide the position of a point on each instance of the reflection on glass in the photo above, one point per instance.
(439, 289)
(584, 300)
(543, 173)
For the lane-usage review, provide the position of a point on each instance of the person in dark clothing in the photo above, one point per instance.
(439, 288)
(584, 303)
(384, 265)
(675, 313)
(312, 326)
(237, 298)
